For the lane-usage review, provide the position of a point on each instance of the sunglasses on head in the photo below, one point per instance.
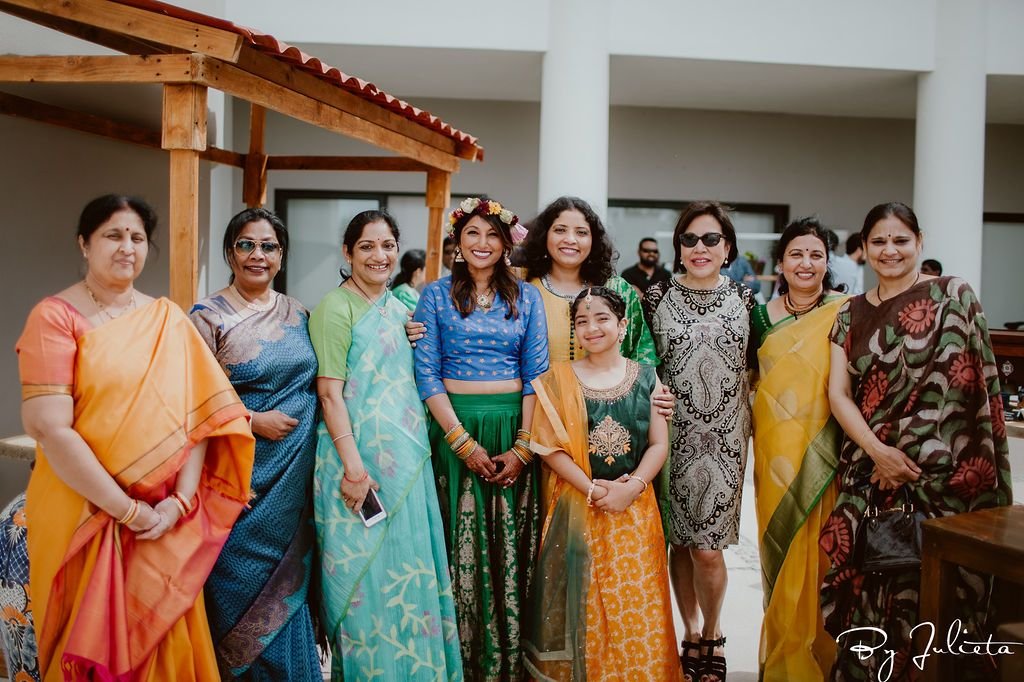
(689, 239)
(247, 246)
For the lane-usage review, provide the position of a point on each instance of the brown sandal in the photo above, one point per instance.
(714, 667)
(692, 665)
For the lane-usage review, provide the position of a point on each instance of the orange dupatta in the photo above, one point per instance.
(146, 389)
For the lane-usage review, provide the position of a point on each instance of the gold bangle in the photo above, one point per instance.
(460, 441)
(524, 454)
(455, 433)
(466, 449)
(344, 435)
(590, 493)
(452, 430)
(129, 516)
(181, 507)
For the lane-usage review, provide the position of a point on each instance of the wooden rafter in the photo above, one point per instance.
(151, 27)
(170, 68)
(234, 81)
(20, 107)
(345, 163)
(277, 72)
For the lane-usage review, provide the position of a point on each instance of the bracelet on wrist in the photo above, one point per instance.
(186, 504)
(466, 449)
(590, 493)
(130, 514)
(344, 435)
(634, 477)
(448, 434)
(366, 474)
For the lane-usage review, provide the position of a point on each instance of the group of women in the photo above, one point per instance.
(236, 450)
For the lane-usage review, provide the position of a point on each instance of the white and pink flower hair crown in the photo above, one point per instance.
(477, 206)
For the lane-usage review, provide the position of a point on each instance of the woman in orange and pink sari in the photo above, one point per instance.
(143, 465)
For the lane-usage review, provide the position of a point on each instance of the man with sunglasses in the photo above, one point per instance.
(648, 270)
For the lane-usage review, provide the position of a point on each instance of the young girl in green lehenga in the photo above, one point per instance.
(601, 608)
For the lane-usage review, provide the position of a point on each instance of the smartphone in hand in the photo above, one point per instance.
(372, 512)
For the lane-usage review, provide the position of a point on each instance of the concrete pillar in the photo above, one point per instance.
(949, 159)
(574, 104)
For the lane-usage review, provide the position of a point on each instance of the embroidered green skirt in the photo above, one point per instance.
(492, 535)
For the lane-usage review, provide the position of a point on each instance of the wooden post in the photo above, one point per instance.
(254, 180)
(184, 136)
(439, 193)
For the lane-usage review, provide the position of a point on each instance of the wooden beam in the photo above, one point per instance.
(254, 180)
(184, 134)
(439, 194)
(176, 68)
(141, 24)
(184, 226)
(184, 117)
(282, 74)
(244, 85)
(19, 107)
(91, 34)
(345, 163)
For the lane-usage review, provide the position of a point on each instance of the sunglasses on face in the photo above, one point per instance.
(247, 246)
(710, 239)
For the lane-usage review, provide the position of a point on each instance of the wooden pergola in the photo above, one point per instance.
(187, 53)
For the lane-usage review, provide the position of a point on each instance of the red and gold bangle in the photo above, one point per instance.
(183, 503)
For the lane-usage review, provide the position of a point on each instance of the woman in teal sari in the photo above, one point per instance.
(256, 596)
(388, 606)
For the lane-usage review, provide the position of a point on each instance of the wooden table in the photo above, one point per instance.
(990, 541)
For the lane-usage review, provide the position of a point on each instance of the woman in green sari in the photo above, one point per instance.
(388, 605)
(796, 449)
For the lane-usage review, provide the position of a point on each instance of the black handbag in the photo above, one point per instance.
(890, 538)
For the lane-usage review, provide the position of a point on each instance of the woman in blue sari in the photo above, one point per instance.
(256, 596)
(388, 607)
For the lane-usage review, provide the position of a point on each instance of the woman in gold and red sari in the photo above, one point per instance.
(143, 465)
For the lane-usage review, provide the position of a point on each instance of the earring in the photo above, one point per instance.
(726, 263)
(508, 259)
(458, 255)
(622, 336)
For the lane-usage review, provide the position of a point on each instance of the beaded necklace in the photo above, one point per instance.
(568, 298)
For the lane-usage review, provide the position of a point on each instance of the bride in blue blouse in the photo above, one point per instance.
(485, 341)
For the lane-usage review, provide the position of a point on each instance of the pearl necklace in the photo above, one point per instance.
(103, 309)
(257, 307)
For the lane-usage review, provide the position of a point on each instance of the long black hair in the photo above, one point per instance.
(503, 280)
(598, 267)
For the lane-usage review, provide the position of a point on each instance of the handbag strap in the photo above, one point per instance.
(873, 500)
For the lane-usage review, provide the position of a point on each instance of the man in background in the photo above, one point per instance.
(848, 269)
(930, 266)
(447, 256)
(648, 269)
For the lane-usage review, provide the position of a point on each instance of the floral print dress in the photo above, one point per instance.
(17, 633)
(924, 377)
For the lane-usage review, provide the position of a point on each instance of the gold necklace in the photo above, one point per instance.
(380, 308)
(103, 309)
(485, 301)
(796, 311)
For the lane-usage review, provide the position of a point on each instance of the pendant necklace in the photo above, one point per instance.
(252, 305)
(485, 301)
(380, 308)
(103, 309)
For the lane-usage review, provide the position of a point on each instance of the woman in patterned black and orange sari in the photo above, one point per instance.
(913, 383)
